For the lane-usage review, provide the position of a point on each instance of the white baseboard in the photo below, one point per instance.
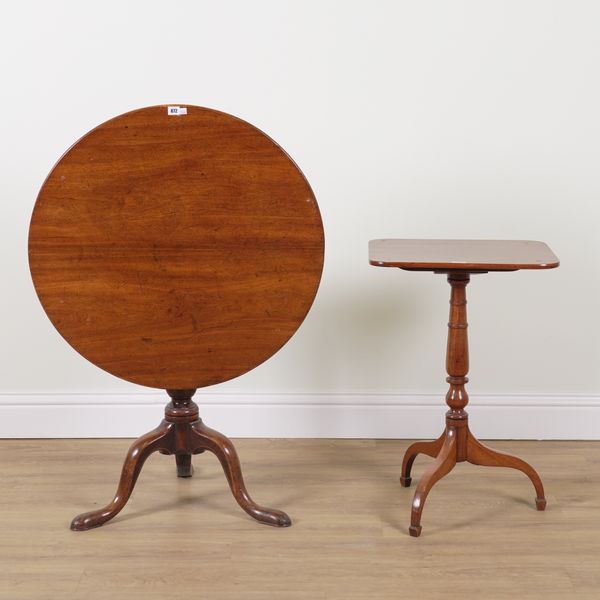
(384, 416)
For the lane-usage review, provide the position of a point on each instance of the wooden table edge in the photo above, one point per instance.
(463, 266)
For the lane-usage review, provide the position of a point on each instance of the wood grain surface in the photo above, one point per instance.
(488, 255)
(176, 251)
(186, 539)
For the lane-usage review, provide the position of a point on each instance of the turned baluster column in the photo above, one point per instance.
(457, 361)
(182, 411)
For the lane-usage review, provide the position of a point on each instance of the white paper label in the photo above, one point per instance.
(176, 110)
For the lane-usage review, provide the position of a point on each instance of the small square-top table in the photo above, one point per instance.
(458, 259)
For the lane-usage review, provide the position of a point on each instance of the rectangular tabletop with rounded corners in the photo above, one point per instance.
(461, 255)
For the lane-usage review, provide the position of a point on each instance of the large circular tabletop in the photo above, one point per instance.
(176, 251)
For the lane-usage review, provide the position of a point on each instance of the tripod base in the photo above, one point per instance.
(457, 444)
(181, 433)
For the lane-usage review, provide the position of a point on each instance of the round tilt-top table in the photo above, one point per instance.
(176, 247)
(458, 260)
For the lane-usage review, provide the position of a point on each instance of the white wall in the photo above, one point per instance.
(474, 119)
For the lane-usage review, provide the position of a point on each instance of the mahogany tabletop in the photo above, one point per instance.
(176, 250)
(463, 255)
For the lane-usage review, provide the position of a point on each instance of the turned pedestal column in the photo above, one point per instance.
(457, 443)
